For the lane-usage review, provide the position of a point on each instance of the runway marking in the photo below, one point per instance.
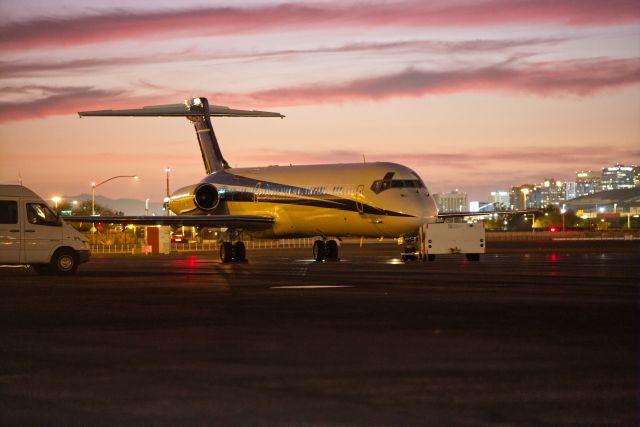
(311, 287)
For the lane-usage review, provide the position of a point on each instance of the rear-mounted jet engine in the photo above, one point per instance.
(192, 199)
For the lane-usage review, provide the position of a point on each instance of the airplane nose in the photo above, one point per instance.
(428, 209)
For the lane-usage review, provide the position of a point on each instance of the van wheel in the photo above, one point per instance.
(64, 261)
(42, 268)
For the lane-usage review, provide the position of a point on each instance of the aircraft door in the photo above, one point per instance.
(256, 192)
(359, 198)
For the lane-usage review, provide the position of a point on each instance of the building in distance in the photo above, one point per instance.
(550, 192)
(520, 197)
(618, 177)
(588, 182)
(535, 196)
(500, 200)
(570, 190)
(453, 201)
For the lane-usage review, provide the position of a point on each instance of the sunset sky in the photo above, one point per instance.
(475, 95)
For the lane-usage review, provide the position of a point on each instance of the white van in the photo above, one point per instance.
(31, 233)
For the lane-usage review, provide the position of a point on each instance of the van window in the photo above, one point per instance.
(8, 212)
(39, 213)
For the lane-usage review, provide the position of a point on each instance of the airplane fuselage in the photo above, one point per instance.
(359, 199)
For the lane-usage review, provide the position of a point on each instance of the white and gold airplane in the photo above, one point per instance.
(326, 201)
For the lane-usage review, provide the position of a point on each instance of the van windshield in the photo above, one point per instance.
(39, 213)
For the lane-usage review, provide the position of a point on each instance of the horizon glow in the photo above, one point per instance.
(479, 96)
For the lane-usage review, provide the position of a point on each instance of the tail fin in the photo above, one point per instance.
(198, 111)
(209, 147)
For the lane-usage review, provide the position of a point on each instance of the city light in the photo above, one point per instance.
(525, 191)
(56, 200)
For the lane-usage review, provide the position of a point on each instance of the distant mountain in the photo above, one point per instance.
(128, 206)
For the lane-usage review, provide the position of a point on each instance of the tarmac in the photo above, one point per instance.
(534, 334)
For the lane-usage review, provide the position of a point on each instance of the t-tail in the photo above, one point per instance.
(199, 112)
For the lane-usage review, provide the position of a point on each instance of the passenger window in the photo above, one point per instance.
(8, 212)
(39, 213)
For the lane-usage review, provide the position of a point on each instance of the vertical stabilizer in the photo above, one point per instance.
(209, 147)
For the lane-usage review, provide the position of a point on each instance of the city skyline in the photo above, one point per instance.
(472, 95)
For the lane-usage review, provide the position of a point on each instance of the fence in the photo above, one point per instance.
(203, 246)
(115, 249)
(249, 244)
(559, 235)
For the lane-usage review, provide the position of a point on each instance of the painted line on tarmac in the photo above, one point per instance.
(311, 287)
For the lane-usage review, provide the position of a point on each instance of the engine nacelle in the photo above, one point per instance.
(194, 198)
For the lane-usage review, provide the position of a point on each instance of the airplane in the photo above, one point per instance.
(327, 201)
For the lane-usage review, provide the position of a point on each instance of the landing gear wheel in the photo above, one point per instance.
(409, 254)
(64, 262)
(226, 252)
(239, 251)
(332, 250)
(319, 250)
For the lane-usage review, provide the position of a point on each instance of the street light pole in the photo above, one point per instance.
(168, 171)
(533, 222)
(93, 193)
(168, 196)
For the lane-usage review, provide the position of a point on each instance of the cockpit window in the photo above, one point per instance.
(384, 184)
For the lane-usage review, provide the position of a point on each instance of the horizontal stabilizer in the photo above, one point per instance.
(244, 222)
(191, 107)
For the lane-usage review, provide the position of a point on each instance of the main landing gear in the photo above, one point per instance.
(233, 252)
(325, 250)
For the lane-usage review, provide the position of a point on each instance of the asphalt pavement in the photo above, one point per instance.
(534, 334)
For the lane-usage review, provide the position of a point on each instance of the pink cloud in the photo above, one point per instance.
(67, 100)
(121, 24)
(36, 68)
(560, 78)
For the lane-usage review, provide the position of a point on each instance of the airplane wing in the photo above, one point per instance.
(191, 107)
(245, 222)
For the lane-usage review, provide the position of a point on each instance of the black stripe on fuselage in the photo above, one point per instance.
(288, 194)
